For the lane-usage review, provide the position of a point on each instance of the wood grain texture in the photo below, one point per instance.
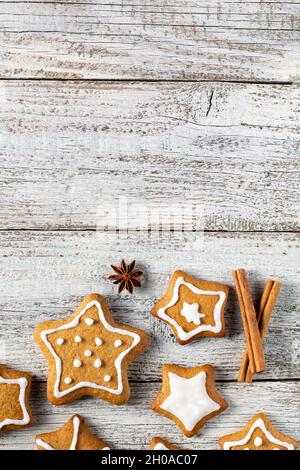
(280, 401)
(178, 39)
(46, 274)
(71, 149)
(230, 148)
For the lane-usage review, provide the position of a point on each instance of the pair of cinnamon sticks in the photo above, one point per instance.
(255, 323)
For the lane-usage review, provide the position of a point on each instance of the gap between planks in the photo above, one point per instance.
(147, 80)
(93, 229)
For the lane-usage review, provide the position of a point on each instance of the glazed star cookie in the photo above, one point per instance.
(193, 308)
(73, 435)
(188, 397)
(88, 354)
(157, 443)
(14, 399)
(258, 434)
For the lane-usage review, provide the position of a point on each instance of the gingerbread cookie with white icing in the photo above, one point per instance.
(157, 443)
(73, 435)
(192, 307)
(88, 354)
(258, 434)
(14, 399)
(188, 397)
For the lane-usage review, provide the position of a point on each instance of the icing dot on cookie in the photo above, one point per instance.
(275, 448)
(89, 321)
(60, 341)
(98, 363)
(68, 380)
(107, 378)
(246, 448)
(77, 363)
(117, 343)
(88, 353)
(77, 339)
(98, 341)
(258, 441)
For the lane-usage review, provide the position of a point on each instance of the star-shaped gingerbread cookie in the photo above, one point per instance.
(193, 308)
(88, 354)
(14, 399)
(157, 443)
(258, 434)
(73, 435)
(188, 397)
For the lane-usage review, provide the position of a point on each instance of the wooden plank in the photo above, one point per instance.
(139, 424)
(229, 148)
(45, 274)
(182, 39)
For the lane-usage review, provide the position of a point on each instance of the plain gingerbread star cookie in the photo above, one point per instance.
(73, 435)
(88, 354)
(14, 399)
(258, 434)
(192, 307)
(188, 397)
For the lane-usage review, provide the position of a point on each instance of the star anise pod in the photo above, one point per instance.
(126, 277)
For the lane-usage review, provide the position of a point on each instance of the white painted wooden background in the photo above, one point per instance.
(193, 100)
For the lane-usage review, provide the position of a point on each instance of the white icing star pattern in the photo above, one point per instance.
(191, 313)
(77, 362)
(188, 400)
(23, 383)
(258, 442)
(74, 441)
(76, 427)
(187, 335)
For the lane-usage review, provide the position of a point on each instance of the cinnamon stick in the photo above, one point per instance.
(245, 362)
(251, 330)
(266, 307)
